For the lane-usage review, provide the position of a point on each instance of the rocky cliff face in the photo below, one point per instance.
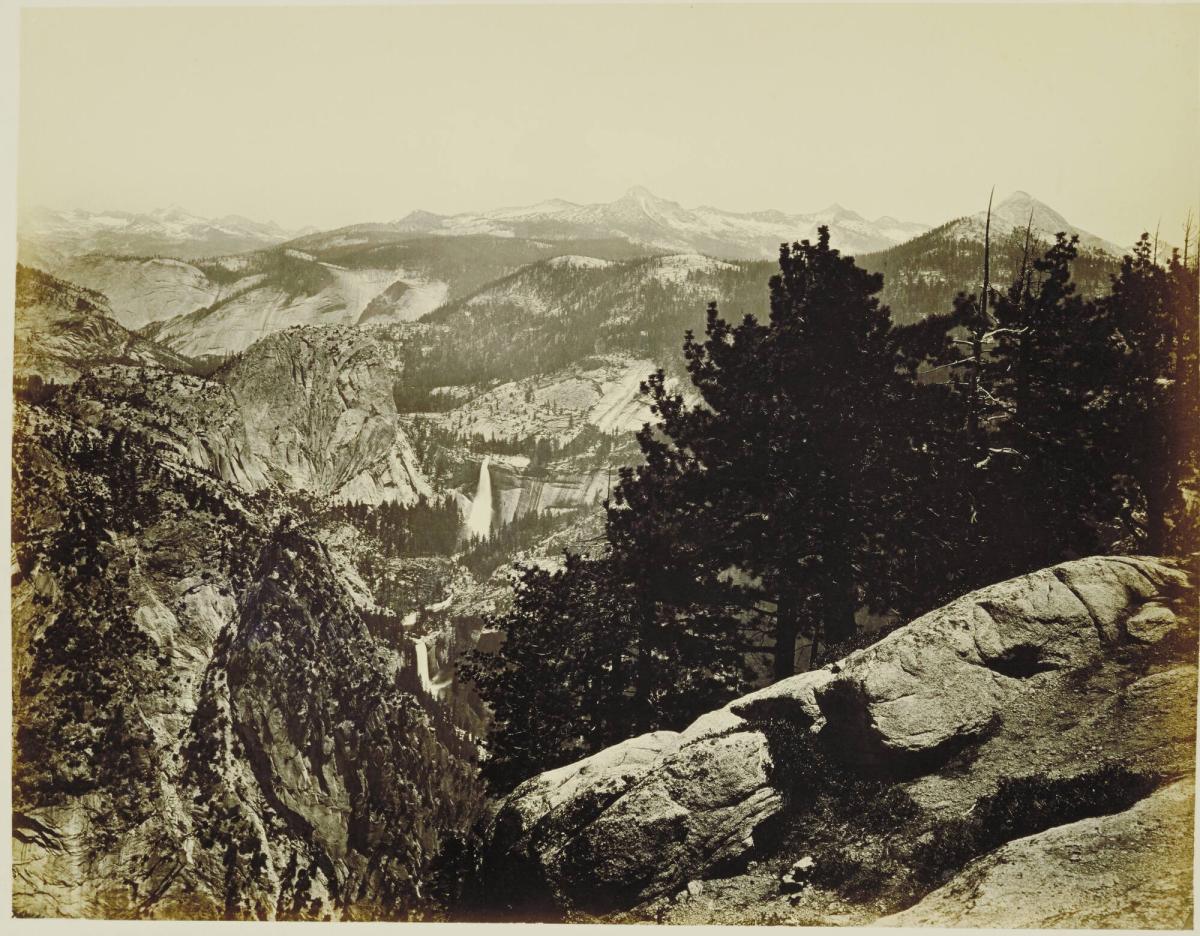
(1033, 738)
(222, 306)
(318, 406)
(62, 329)
(191, 421)
(517, 491)
(308, 410)
(255, 307)
(204, 726)
(144, 289)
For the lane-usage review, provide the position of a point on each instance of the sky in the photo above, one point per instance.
(330, 116)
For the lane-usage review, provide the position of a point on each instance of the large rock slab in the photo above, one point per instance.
(698, 810)
(604, 830)
(943, 681)
(573, 795)
(1131, 870)
(642, 819)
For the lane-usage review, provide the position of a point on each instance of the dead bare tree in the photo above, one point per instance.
(1187, 236)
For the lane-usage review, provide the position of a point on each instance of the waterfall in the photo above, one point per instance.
(479, 520)
(423, 665)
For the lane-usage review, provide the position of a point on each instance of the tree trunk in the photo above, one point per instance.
(1157, 505)
(643, 676)
(838, 592)
(814, 655)
(787, 627)
(839, 606)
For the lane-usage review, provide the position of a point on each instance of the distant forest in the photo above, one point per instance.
(621, 307)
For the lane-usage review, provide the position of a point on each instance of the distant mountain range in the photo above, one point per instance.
(205, 287)
(46, 236)
(642, 217)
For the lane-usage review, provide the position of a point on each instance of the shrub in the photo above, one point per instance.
(1026, 805)
(805, 774)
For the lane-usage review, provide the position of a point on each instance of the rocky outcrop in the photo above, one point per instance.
(602, 818)
(1042, 676)
(578, 792)
(318, 407)
(517, 492)
(1131, 870)
(62, 329)
(204, 725)
(945, 679)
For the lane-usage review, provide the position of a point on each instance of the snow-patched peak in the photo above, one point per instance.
(640, 203)
(174, 213)
(641, 195)
(1019, 210)
(419, 218)
(546, 209)
(1019, 207)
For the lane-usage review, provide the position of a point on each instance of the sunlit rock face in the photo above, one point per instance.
(318, 407)
(144, 289)
(62, 329)
(1143, 848)
(1032, 681)
(517, 491)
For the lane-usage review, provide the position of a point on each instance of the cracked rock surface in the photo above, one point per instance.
(1047, 674)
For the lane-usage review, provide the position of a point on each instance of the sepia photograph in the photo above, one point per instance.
(603, 463)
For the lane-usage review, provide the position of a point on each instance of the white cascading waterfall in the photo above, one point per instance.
(423, 665)
(479, 520)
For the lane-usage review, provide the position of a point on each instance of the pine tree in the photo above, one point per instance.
(790, 443)
(1048, 365)
(1152, 407)
(558, 686)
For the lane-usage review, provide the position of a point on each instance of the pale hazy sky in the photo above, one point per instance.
(328, 116)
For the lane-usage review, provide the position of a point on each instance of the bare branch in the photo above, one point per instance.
(994, 400)
(1005, 331)
(965, 360)
(997, 451)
